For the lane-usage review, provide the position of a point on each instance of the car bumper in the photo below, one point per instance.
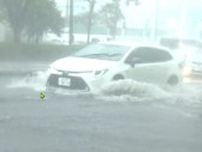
(81, 83)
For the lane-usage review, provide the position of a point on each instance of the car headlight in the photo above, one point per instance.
(100, 72)
(187, 70)
(52, 70)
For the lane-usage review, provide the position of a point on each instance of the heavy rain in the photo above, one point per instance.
(100, 76)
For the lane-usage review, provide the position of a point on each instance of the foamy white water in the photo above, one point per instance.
(36, 81)
(130, 90)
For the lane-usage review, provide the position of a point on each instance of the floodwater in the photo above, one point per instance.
(124, 116)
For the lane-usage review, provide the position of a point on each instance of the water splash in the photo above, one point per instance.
(123, 90)
(36, 81)
(130, 90)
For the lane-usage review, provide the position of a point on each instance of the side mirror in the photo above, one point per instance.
(134, 61)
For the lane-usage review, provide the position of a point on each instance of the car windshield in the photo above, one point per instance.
(103, 51)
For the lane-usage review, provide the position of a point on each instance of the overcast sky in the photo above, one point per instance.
(170, 12)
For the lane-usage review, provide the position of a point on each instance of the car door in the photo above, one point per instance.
(150, 64)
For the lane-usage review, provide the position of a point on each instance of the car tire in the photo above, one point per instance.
(173, 81)
(118, 77)
(48, 86)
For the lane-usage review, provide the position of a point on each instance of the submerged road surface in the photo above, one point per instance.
(126, 123)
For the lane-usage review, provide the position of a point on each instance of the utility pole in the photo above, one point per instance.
(156, 17)
(71, 22)
(67, 12)
(91, 4)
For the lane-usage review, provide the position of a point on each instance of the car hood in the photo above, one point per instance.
(78, 64)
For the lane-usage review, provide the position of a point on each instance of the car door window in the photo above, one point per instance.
(150, 55)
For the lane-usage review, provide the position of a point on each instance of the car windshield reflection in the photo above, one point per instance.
(103, 51)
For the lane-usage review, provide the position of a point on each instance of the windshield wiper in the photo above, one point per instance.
(100, 54)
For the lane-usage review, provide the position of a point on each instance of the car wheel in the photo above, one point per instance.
(173, 81)
(118, 77)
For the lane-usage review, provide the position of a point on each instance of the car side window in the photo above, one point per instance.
(150, 55)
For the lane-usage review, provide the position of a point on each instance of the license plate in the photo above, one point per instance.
(64, 82)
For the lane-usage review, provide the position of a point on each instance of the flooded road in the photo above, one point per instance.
(144, 118)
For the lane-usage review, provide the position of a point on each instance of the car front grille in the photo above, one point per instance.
(77, 83)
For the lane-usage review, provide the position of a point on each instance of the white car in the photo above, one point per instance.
(94, 66)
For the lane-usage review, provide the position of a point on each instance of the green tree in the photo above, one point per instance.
(110, 15)
(15, 13)
(42, 16)
(2, 16)
(34, 17)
